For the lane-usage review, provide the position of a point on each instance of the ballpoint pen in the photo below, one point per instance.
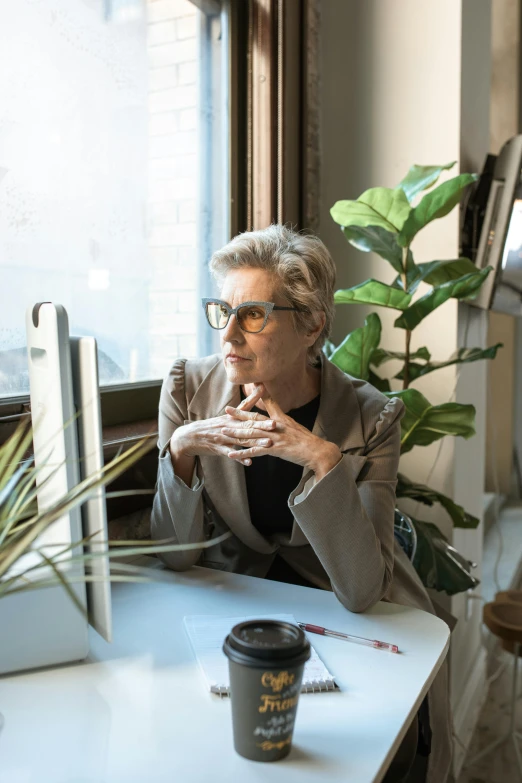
(349, 637)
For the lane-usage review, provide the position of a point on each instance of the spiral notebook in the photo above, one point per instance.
(207, 634)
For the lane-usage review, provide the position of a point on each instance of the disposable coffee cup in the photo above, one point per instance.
(266, 660)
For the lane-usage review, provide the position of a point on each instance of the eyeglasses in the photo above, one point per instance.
(251, 316)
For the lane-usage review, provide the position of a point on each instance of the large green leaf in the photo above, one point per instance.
(435, 273)
(382, 384)
(381, 207)
(381, 355)
(440, 272)
(423, 494)
(438, 564)
(421, 178)
(462, 356)
(373, 239)
(374, 292)
(354, 353)
(424, 423)
(463, 288)
(435, 204)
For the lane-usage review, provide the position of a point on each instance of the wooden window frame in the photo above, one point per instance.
(276, 140)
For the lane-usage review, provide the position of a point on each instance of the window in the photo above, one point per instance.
(113, 176)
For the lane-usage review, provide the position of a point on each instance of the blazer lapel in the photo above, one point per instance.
(339, 418)
(338, 421)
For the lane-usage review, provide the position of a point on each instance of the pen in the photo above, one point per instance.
(349, 637)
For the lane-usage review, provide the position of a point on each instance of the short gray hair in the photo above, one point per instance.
(300, 262)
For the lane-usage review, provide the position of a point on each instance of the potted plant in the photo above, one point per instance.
(22, 525)
(386, 221)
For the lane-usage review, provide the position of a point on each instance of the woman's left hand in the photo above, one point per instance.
(290, 440)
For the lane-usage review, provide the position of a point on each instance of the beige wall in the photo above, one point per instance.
(399, 103)
(407, 82)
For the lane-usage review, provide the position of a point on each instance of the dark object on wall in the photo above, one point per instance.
(500, 243)
(474, 210)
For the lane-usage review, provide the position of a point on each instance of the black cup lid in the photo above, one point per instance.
(268, 640)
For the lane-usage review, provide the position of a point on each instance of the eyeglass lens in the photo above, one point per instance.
(250, 317)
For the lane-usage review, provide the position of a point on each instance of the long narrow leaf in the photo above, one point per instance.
(25, 499)
(78, 494)
(124, 493)
(7, 491)
(13, 450)
(45, 583)
(137, 548)
(65, 583)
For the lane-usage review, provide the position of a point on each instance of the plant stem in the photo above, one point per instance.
(404, 278)
(406, 370)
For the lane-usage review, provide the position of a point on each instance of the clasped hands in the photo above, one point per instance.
(243, 434)
(287, 439)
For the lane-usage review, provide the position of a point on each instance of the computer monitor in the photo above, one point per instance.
(67, 437)
(500, 244)
(86, 396)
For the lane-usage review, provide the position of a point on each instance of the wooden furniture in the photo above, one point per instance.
(503, 617)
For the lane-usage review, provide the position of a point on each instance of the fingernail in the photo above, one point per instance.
(265, 442)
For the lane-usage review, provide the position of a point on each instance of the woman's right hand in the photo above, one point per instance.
(205, 437)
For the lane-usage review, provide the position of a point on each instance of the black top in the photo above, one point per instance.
(271, 480)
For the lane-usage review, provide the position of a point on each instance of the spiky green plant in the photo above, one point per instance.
(22, 525)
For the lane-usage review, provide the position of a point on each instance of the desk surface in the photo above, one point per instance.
(137, 710)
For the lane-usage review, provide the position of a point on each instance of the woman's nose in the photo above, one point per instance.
(232, 330)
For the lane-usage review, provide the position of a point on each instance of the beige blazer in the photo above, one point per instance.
(342, 537)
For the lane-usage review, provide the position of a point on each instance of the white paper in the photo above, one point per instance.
(207, 634)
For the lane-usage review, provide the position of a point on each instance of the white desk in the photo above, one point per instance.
(137, 711)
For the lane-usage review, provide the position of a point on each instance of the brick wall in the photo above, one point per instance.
(173, 176)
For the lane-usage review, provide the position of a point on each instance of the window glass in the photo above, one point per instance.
(113, 169)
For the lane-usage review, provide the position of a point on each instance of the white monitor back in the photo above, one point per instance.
(44, 625)
(500, 244)
(84, 361)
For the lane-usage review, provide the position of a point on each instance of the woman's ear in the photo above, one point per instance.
(320, 320)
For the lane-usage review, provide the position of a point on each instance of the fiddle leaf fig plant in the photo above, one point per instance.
(385, 221)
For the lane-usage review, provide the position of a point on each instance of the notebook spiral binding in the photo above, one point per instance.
(320, 686)
(315, 686)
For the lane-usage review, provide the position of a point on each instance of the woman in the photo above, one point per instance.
(273, 442)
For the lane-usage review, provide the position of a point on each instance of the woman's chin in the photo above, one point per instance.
(236, 373)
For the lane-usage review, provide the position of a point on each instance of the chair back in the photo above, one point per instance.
(405, 533)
